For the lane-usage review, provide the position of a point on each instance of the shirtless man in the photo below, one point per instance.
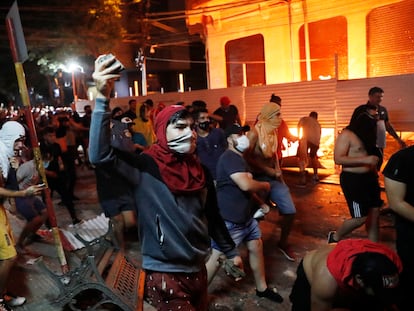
(354, 274)
(356, 151)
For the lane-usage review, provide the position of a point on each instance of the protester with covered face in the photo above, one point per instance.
(175, 197)
(211, 142)
(353, 274)
(235, 194)
(262, 159)
(12, 135)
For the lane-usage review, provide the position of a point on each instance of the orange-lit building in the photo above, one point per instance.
(251, 42)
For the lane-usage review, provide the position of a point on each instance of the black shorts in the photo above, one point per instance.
(300, 296)
(30, 207)
(361, 191)
(114, 207)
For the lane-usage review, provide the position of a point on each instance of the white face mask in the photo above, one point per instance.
(242, 143)
(183, 143)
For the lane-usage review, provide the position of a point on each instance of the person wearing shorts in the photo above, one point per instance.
(361, 191)
(309, 131)
(12, 136)
(234, 187)
(355, 149)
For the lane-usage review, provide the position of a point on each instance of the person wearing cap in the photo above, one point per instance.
(175, 197)
(229, 113)
(263, 162)
(399, 186)
(353, 274)
(235, 189)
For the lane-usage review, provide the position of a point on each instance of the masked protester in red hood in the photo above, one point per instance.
(175, 198)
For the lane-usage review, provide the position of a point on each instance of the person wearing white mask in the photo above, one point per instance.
(176, 203)
(235, 194)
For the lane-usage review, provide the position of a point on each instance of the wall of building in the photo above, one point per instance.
(280, 22)
(333, 100)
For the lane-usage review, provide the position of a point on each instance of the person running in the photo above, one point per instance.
(355, 149)
(262, 159)
(311, 131)
(235, 194)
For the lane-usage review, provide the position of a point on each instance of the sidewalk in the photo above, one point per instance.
(320, 208)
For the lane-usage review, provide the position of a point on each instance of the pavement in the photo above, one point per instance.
(320, 208)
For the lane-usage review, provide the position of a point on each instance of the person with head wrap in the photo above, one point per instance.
(175, 199)
(12, 135)
(354, 274)
(227, 114)
(355, 149)
(262, 159)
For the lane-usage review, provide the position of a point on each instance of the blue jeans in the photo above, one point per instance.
(279, 194)
(241, 232)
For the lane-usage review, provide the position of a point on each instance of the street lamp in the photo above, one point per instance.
(72, 68)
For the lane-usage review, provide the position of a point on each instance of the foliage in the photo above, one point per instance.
(91, 28)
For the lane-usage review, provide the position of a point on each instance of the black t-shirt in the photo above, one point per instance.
(400, 168)
(229, 116)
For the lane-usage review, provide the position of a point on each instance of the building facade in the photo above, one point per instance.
(251, 43)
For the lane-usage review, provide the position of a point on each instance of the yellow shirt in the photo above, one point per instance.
(7, 249)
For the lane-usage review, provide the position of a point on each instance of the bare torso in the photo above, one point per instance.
(351, 154)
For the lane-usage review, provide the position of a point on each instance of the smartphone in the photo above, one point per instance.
(119, 66)
(42, 185)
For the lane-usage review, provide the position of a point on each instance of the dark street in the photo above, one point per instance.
(320, 208)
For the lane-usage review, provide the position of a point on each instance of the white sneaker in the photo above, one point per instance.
(259, 214)
(13, 301)
(4, 306)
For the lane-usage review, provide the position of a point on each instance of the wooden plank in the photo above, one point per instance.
(114, 271)
(103, 261)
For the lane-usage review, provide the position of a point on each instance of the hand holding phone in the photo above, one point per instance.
(116, 64)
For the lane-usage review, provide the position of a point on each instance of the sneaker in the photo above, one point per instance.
(270, 293)
(259, 215)
(315, 179)
(4, 306)
(287, 252)
(331, 238)
(13, 301)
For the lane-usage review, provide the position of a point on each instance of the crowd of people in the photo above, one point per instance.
(196, 184)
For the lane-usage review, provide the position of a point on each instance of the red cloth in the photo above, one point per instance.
(182, 173)
(340, 259)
